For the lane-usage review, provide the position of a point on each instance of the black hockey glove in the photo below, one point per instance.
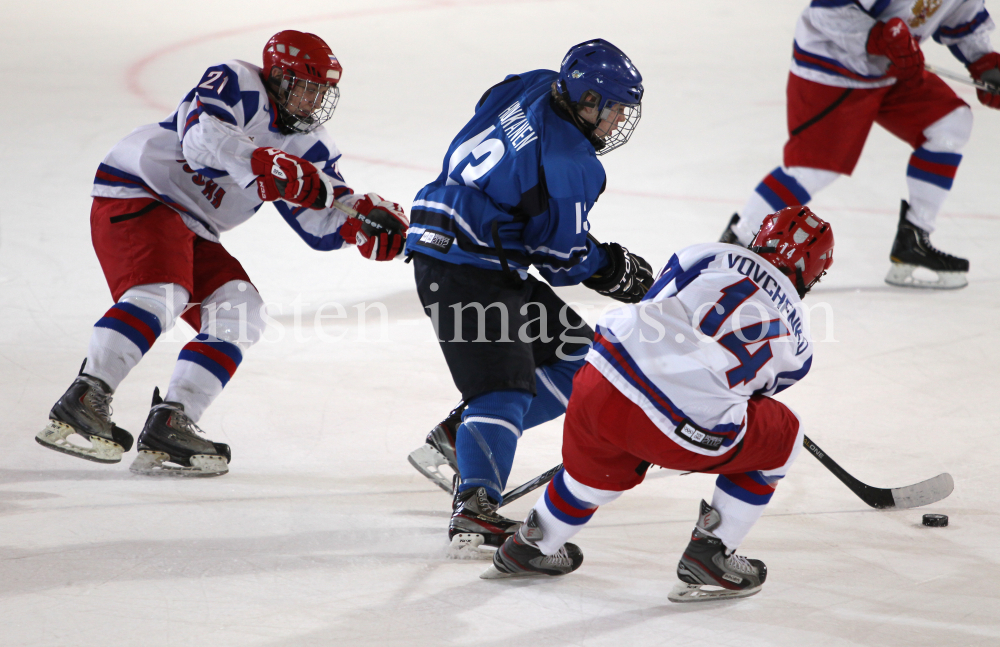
(626, 278)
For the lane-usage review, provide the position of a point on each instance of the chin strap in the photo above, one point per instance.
(560, 100)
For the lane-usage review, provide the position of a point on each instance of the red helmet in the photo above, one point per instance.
(797, 242)
(305, 83)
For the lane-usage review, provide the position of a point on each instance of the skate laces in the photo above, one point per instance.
(559, 558)
(99, 400)
(740, 563)
(180, 420)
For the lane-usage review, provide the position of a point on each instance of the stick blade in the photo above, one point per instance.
(923, 493)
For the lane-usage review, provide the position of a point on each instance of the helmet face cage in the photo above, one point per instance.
(622, 120)
(596, 74)
(305, 105)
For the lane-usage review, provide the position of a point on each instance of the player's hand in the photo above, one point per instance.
(379, 231)
(627, 277)
(893, 40)
(282, 176)
(987, 68)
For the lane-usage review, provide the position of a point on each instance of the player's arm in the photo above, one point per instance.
(377, 226)
(856, 29)
(211, 123)
(966, 33)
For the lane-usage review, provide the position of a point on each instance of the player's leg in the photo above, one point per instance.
(560, 340)
(230, 321)
(145, 252)
(931, 118)
(827, 129)
(476, 314)
(743, 489)
(597, 469)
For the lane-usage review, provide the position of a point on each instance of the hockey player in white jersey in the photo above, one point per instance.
(684, 380)
(241, 137)
(859, 62)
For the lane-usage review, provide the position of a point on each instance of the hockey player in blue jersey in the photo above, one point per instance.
(516, 189)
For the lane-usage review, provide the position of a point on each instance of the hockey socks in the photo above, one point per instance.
(204, 367)
(929, 177)
(120, 338)
(782, 187)
(487, 439)
(127, 331)
(565, 507)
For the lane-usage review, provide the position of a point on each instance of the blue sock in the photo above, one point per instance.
(554, 385)
(487, 439)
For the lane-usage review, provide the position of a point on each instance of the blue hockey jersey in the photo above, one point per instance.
(519, 176)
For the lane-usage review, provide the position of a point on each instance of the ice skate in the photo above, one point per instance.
(438, 450)
(85, 411)
(709, 572)
(169, 436)
(912, 251)
(519, 556)
(729, 236)
(474, 523)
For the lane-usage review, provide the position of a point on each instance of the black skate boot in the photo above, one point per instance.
(170, 436)
(912, 250)
(520, 557)
(439, 449)
(85, 410)
(729, 236)
(709, 572)
(475, 522)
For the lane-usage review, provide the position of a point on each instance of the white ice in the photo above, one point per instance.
(322, 534)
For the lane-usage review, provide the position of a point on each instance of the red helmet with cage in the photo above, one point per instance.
(302, 74)
(797, 242)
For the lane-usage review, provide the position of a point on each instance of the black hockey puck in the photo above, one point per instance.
(936, 520)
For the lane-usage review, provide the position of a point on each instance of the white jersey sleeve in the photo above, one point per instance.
(198, 160)
(719, 325)
(831, 37)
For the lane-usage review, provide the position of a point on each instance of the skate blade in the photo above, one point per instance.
(56, 436)
(427, 460)
(901, 275)
(150, 463)
(467, 545)
(493, 573)
(684, 592)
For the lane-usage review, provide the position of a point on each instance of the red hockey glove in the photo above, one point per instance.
(987, 68)
(282, 176)
(893, 40)
(379, 231)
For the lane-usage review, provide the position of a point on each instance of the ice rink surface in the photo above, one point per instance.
(322, 534)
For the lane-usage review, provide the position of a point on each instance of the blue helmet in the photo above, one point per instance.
(596, 74)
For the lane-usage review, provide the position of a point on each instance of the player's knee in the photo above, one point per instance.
(165, 301)
(950, 133)
(510, 405)
(234, 313)
(585, 493)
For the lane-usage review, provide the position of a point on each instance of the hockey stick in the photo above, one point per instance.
(530, 486)
(981, 85)
(908, 496)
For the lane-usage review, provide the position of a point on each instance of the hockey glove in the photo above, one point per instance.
(987, 69)
(893, 40)
(379, 231)
(626, 278)
(282, 176)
